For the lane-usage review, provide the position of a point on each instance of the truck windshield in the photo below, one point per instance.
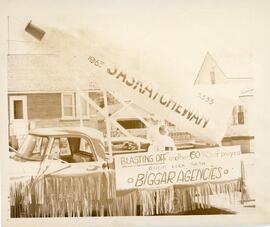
(33, 148)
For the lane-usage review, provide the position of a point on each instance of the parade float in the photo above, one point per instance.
(66, 172)
(71, 178)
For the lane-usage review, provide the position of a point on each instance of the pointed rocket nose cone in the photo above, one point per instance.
(34, 31)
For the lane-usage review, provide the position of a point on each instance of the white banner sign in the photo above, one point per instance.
(158, 169)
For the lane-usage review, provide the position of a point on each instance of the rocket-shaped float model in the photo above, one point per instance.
(203, 111)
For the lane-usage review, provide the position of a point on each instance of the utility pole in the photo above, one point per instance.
(8, 36)
(108, 124)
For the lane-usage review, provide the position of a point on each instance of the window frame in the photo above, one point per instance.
(213, 77)
(22, 98)
(75, 106)
(63, 106)
(241, 115)
(71, 136)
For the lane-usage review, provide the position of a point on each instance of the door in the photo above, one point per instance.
(18, 116)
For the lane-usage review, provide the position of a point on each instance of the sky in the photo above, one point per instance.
(163, 38)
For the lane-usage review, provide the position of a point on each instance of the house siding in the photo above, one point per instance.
(56, 122)
(44, 110)
(44, 106)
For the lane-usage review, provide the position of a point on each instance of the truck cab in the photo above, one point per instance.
(79, 149)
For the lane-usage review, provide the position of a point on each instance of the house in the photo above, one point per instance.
(240, 127)
(43, 92)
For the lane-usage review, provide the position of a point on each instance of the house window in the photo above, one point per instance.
(111, 100)
(68, 106)
(18, 109)
(82, 106)
(238, 115)
(213, 77)
(74, 106)
(241, 117)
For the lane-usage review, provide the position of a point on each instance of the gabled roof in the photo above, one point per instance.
(210, 65)
(44, 73)
(248, 92)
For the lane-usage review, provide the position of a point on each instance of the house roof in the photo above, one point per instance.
(210, 66)
(247, 92)
(44, 73)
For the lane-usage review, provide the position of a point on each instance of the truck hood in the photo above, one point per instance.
(19, 168)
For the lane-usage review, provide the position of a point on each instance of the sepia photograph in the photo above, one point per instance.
(144, 110)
